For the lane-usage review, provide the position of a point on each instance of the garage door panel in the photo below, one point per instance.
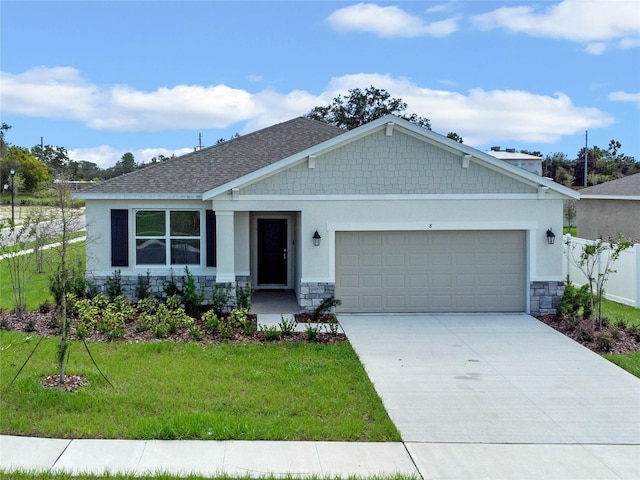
(372, 281)
(372, 302)
(417, 281)
(431, 271)
(417, 259)
(441, 280)
(394, 281)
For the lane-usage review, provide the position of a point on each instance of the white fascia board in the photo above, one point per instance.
(610, 197)
(385, 197)
(138, 196)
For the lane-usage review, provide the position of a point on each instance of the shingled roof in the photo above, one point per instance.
(625, 186)
(203, 170)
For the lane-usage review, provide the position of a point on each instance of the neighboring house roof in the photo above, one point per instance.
(195, 173)
(625, 188)
(206, 173)
(506, 155)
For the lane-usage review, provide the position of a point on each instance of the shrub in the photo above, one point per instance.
(220, 297)
(171, 286)
(573, 299)
(333, 325)
(621, 324)
(191, 295)
(243, 296)
(287, 326)
(312, 330)
(45, 307)
(143, 287)
(169, 317)
(76, 284)
(604, 341)
(271, 333)
(196, 332)
(239, 318)
(226, 330)
(113, 285)
(211, 321)
(634, 330)
(585, 331)
(326, 305)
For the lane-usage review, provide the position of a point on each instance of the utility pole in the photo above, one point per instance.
(586, 154)
(200, 146)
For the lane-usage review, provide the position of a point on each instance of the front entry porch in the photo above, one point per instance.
(278, 301)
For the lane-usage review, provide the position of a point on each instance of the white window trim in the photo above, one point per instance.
(167, 238)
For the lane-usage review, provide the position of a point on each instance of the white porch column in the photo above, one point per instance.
(225, 257)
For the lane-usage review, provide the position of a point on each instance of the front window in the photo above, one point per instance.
(167, 237)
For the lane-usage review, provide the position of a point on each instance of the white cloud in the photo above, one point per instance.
(388, 22)
(485, 116)
(596, 48)
(106, 156)
(60, 92)
(594, 22)
(479, 116)
(624, 97)
(57, 91)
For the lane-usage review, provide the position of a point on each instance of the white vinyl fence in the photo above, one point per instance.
(623, 285)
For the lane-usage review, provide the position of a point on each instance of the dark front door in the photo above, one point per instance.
(272, 251)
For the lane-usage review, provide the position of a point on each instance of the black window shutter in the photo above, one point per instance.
(211, 238)
(119, 238)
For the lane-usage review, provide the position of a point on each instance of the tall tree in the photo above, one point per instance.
(127, 163)
(363, 106)
(33, 172)
(56, 158)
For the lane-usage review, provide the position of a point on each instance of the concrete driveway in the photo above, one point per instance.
(500, 389)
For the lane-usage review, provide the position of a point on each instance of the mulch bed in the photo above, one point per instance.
(608, 339)
(45, 324)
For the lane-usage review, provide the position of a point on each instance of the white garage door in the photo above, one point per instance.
(462, 271)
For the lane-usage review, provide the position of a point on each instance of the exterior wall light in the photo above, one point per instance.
(551, 237)
(316, 239)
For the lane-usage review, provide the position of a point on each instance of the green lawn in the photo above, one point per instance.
(615, 311)
(37, 288)
(175, 390)
(629, 362)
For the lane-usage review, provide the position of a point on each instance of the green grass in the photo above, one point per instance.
(629, 362)
(614, 311)
(173, 390)
(37, 287)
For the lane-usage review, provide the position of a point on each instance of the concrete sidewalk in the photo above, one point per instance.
(441, 461)
(206, 458)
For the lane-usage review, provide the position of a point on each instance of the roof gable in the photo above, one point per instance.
(398, 164)
(388, 125)
(189, 176)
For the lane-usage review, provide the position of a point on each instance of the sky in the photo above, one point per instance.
(147, 77)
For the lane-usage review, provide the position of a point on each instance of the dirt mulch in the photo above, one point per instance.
(45, 324)
(608, 339)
